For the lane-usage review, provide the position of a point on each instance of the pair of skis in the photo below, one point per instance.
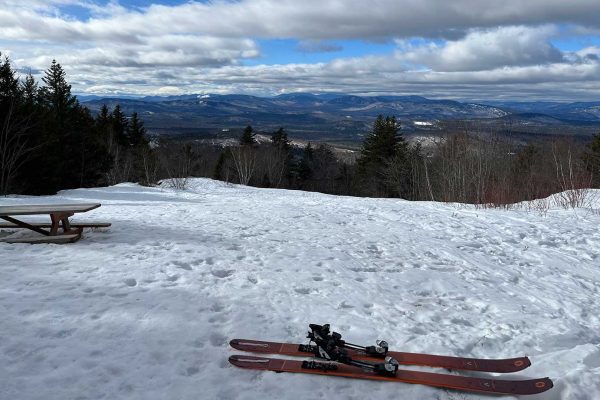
(374, 355)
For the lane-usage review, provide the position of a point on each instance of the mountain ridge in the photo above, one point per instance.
(336, 114)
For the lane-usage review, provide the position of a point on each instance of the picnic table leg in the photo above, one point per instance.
(58, 219)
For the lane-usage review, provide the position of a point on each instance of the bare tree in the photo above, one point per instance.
(573, 182)
(179, 167)
(14, 146)
(122, 164)
(273, 162)
(150, 166)
(244, 159)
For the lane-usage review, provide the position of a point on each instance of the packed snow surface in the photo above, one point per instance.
(145, 309)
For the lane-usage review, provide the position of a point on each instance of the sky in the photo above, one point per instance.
(459, 49)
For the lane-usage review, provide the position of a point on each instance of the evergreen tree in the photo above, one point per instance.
(136, 132)
(70, 150)
(304, 168)
(221, 165)
(9, 82)
(120, 126)
(90, 155)
(56, 93)
(104, 118)
(139, 148)
(248, 137)
(30, 90)
(280, 140)
(592, 160)
(383, 148)
(57, 143)
(382, 143)
(279, 167)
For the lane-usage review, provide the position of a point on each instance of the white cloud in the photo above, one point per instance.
(488, 49)
(496, 47)
(307, 19)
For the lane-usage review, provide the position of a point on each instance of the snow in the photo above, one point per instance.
(422, 123)
(145, 309)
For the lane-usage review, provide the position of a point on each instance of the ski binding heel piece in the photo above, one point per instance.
(380, 350)
(387, 368)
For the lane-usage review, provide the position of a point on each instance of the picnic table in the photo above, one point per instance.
(61, 229)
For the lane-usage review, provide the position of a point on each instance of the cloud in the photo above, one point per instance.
(308, 19)
(480, 46)
(488, 49)
(363, 75)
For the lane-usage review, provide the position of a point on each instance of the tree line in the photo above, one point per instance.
(469, 166)
(49, 142)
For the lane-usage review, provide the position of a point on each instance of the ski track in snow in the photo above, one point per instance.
(145, 309)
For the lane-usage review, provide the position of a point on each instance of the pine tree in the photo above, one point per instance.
(139, 150)
(280, 139)
(382, 143)
(592, 159)
(248, 137)
(71, 151)
(9, 83)
(304, 168)
(219, 172)
(382, 148)
(56, 93)
(104, 121)
(120, 126)
(136, 132)
(30, 90)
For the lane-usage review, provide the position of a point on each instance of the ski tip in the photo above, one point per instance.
(234, 342)
(543, 384)
(549, 383)
(521, 363)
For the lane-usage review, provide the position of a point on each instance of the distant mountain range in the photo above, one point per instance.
(334, 115)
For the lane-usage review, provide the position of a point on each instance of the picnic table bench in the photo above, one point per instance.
(61, 229)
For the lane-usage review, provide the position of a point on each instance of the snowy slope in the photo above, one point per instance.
(144, 310)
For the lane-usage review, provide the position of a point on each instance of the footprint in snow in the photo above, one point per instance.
(217, 340)
(182, 265)
(130, 282)
(222, 273)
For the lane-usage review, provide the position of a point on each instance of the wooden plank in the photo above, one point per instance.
(25, 225)
(33, 209)
(58, 239)
(90, 224)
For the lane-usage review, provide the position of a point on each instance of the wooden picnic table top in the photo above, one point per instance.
(6, 211)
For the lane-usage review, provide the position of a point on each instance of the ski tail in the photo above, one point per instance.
(456, 382)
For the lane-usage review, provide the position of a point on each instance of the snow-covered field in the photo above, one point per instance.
(145, 309)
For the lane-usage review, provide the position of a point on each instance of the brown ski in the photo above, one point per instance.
(429, 360)
(464, 383)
